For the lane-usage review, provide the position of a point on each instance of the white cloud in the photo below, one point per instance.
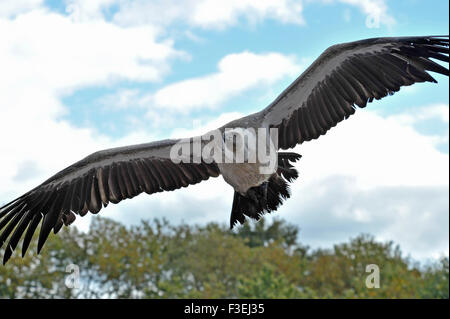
(376, 11)
(384, 152)
(212, 13)
(414, 217)
(44, 49)
(11, 8)
(236, 73)
(436, 111)
(208, 13)
(199, 127)
(44, 56)
(86, 10)
(374, 174)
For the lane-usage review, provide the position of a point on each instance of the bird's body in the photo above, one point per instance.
(343, 77)
(242, 176)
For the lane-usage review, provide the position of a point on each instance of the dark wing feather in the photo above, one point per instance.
(348, 75)
(90, 184)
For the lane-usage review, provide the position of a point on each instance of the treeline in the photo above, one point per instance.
(159, 260)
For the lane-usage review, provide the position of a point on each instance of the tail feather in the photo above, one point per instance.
(236, 214)
(277, 191)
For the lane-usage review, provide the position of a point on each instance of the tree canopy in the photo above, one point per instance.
(260, 260)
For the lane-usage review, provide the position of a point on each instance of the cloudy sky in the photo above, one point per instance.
(78, 76)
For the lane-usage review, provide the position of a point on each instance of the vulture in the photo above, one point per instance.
(345, 76)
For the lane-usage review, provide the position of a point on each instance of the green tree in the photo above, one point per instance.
(260, 260)
(267, 283)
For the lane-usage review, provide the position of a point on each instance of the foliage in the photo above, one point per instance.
(259, 260)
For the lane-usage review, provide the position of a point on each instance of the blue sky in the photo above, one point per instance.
(79, 76)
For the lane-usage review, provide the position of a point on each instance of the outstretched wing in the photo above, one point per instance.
(351, 74)
(90, 184)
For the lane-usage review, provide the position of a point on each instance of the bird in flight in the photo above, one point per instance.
(247, 152)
